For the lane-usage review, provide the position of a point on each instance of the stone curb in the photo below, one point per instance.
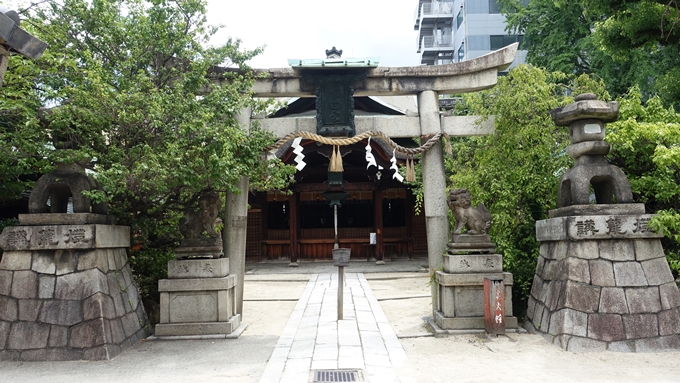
(233, 335)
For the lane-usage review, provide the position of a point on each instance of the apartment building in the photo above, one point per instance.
(458, 30)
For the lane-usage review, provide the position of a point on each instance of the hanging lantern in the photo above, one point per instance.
(335, 197)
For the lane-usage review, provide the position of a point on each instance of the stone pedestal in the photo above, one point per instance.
(197, 299)
(461, 284)
(603, 283)
(66, 291)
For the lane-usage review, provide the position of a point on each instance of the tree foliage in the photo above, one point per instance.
(632, 24)
(139, 98)
(22, 153)
(625, 43)
(137, 87)
(650, 27)
(633, 47)
(515, 172)
(565, 47)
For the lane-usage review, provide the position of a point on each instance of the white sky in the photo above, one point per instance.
(304, 29)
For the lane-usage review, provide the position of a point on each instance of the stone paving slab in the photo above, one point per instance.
(315, 339)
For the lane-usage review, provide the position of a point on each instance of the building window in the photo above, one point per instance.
(500, 41)
(444, 58)
(459, 19)
(461, 52)
(493, 6)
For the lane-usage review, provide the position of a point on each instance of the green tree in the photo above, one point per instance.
(557, 35)
(648, 26)
(635, 23)
(139, 90)
(22, 150)
(601, 39)
(515, 172)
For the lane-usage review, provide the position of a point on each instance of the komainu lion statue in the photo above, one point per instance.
(196, 222)
(476, 220)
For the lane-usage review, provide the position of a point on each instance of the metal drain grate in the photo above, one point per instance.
(328, 376)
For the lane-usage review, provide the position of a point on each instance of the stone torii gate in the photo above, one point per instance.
(15, 39)
(425, 82)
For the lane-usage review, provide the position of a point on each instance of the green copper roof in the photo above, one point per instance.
(366, 62)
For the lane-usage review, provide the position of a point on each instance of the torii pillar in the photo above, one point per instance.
(235, 224)
(434, 184)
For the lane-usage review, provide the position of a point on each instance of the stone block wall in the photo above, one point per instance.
(613, 293)
(68, 304)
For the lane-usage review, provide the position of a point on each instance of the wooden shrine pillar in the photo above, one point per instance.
(293, 227)
(378, 223)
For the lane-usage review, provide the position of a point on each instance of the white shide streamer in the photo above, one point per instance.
(297, 149)
(370, 159)
(394, 167)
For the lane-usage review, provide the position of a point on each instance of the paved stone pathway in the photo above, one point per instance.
(314, 339)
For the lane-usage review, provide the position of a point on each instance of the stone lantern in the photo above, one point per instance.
(586, 118)
(602, 281)
(66, 286)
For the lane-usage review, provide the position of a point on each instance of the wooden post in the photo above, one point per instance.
(293, 227)
(494, 305)
(265, 227)
(410, 212)
(379, 251)
(341, 282)
(341, 259)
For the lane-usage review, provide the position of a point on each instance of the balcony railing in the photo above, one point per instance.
(436, 8)
(432, 42)
(433, 8)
